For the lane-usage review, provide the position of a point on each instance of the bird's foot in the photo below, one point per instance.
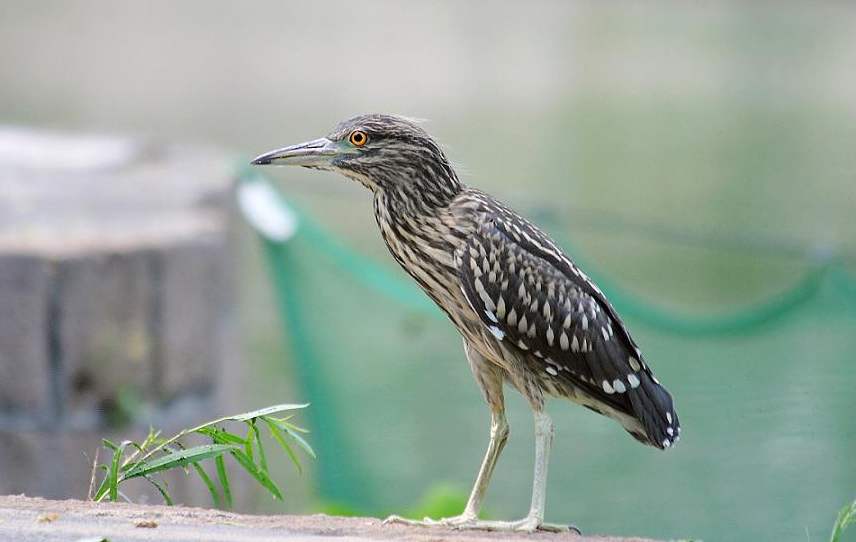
(528, 524)
(454, 521)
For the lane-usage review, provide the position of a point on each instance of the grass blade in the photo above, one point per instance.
(260, 445)
(265, 412)
(293, 433)
(223, 477)
(846, 517)
(113, 474)
(285, 422)
(248, 444)
(220, 436)
(276, 432)
(253, 470)
(212, 489)
(166, 498)
(102, 487)
(179, 458)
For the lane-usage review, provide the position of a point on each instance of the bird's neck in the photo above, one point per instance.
(422, 238)
(418, 189)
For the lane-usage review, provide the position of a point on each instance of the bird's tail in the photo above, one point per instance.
(654, 409)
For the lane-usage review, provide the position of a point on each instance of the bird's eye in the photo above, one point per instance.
(358, 138)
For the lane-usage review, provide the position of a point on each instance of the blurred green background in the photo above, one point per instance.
(698, 157)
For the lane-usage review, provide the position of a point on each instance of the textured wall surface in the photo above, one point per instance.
(115, 296)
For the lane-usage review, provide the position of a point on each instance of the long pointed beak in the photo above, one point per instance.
(316, 153)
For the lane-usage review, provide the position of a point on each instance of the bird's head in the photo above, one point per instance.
(386, 153)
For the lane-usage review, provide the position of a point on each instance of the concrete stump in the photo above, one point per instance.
(115, 299)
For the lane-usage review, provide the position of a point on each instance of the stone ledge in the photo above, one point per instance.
(27, 519)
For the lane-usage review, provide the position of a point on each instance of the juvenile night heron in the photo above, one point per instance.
(528, 315)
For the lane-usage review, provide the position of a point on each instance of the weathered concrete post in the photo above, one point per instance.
(114, 291)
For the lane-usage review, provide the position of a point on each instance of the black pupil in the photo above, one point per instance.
(358, 137)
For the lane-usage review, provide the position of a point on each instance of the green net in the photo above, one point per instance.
(765, 393)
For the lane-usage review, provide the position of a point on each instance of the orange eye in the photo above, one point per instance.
(358, 138)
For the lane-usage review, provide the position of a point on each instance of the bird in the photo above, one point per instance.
(530, 318)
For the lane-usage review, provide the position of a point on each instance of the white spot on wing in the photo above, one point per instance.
(633, 380)
(500, 307)
(634, 363)
(619, 386)
(498, 333)
(522, 325)
(488, 302)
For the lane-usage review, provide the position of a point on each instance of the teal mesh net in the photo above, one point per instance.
(765, 394)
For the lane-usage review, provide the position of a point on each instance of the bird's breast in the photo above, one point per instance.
(425, 246)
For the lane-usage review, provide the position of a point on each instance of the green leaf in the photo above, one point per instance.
(262, 457)
(284, 421)
(102, 487)
(113, 474)
(276, 432)
(265, 412)
(179, 458)
(212, 489)
(151, 438)
(223, 476)
(248, 444)
(846, 517)
(262, 477)
(221, 436)
(292, 432)
(131, 463)
(166, 498)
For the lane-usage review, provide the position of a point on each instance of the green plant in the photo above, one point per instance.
(846, 517)
(154, 455)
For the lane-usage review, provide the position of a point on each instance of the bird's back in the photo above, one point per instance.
(517, 298)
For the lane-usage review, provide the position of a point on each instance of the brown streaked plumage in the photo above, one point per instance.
(528, 315)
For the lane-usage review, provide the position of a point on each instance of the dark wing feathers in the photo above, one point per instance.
(533, 298)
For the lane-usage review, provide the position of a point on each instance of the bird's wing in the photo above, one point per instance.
(532, 297)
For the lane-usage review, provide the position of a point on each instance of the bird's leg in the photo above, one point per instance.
(490, 379)
(498, 438)
(543, 444)
(534, 521)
